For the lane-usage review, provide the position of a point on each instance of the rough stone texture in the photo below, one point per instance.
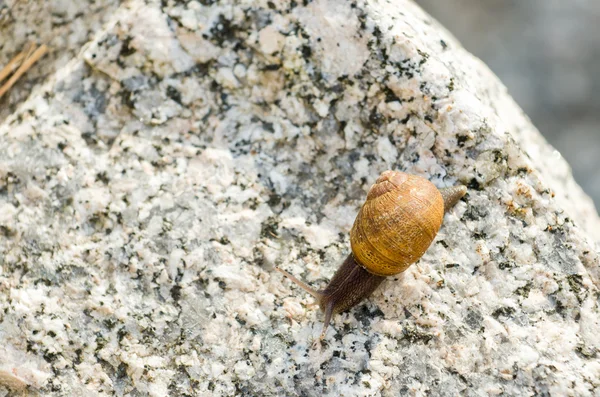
(63, 25)
(149, 189)
(548, 55)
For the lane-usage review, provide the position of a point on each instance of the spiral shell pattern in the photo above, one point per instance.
(397, 223)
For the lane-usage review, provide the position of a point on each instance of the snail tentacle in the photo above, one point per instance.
(328, 315)
(451, 195)
(318, 295)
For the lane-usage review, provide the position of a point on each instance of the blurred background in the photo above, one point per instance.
(547, 52)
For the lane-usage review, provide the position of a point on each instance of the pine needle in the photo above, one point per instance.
(22, 62)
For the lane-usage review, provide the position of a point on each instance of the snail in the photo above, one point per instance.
(398, 221)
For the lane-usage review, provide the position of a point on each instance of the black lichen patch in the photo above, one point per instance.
(110, 323)
(505, 311)
(474, 213)
(414, 335)
(306, 51)
(270, 228)
(365, 315)
(376, 120)
(93, 101)
(461, 140)
(390, 96)
(258, 257)
(586, 352)
(559, 306)
(176, 293)
(222, 31)
(126, 49)
(575, 282)
(7, 232)
(474, 184)
(450, 85)
(473, 319)
(102, 177)
(131, 87)
(524, 290)
(121, 372)
(274, 200)
(174, 94)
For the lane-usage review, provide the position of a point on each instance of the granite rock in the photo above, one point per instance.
(547, 55)
(150, 187)
(62, 25)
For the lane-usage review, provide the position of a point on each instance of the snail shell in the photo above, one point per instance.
(397, 223)
(393, 229)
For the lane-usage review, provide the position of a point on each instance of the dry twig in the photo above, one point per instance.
(24, 61)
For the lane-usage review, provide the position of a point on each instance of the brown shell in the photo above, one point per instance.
(397, 223)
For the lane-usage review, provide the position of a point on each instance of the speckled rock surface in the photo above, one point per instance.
(63, 25)
(148, 191)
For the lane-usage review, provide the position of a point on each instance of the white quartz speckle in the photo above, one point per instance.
(150, 189)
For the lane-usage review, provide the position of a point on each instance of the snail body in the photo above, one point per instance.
(397, 223)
